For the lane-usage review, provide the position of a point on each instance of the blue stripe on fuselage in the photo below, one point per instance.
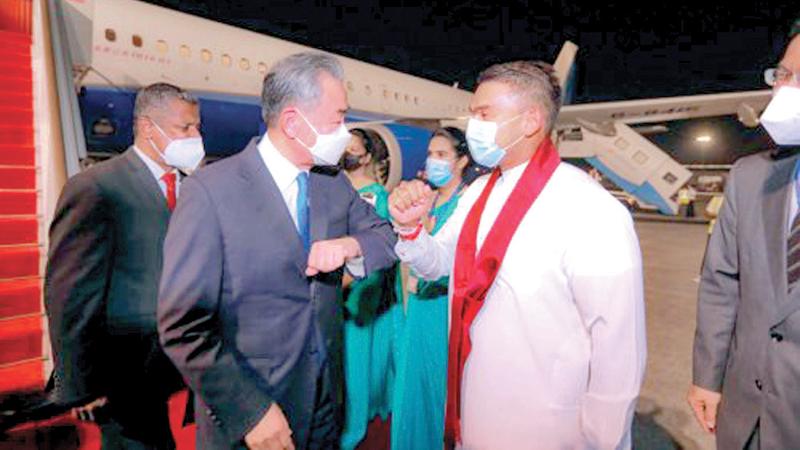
(228, 124)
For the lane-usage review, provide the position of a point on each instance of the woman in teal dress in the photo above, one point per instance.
(418, 405)
(370, 307)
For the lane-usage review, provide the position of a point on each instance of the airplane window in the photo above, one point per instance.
(226, 60)
(368, 89)
(111, 35)
(407, 98)
(670, 178)
(137, 40)
(244, 64)
(416, 100)
(349, 85)
(640, 157)
(185, 51)
(205, 55)
(262, 68)
(162, 46)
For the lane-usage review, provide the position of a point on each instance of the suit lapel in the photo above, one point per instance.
(146, 181)
(777, 195)
(267, 202)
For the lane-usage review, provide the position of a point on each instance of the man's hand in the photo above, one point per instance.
(705, 404)
(272, 432)
(86, 412)
(327, 256)
(410, 202)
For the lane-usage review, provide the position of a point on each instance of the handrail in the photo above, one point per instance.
(71, 125)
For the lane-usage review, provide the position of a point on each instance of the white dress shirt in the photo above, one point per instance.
(284, 172)
(558, 348)
(158, 172)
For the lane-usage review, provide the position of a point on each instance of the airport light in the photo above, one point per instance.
(703, 138)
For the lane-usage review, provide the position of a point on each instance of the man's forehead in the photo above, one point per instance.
(334, 89)
(494, 95)
(791, 59)
(177, 108)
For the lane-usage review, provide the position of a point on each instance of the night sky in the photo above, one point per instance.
(650, 49)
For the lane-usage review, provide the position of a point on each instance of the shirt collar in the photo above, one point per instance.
(513, 174)
(153, 166)
(283, 171)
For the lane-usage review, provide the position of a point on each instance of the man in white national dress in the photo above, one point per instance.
(547, 336)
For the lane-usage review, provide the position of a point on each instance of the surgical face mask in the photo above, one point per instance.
(481, 135)
(183, 154)
(329, 147)
(438, 171)
(351, 162)
(781, 118)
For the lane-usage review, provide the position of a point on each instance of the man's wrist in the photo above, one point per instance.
(408, 233)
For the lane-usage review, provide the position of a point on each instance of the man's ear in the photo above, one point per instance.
(144, 127)
(288, 121)
(534, 120)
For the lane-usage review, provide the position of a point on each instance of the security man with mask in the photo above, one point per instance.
(746, 370)
(103, 271)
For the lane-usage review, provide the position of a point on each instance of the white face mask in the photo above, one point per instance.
(781, 118)
(481, 135)
(329, 148)
(183, 154)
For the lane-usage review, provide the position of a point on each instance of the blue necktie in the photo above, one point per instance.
(302, 210)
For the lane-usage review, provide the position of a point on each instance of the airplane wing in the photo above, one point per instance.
(601, 134)
(747, 105)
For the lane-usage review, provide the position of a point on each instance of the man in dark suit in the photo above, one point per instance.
(747, 343)
(103, 271)
(250, 307)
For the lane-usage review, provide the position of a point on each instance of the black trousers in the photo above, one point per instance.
(137, 415)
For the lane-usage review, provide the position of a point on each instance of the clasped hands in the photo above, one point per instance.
(410, 202)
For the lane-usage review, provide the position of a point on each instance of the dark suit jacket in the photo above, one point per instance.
(101, 282)
(236, 312)
(747, 343)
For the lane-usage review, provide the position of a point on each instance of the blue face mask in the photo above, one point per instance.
(481, 136)
(438, 171)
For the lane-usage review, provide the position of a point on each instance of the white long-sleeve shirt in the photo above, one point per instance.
(558, 348)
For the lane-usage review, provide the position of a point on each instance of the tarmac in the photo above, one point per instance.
(672, 253)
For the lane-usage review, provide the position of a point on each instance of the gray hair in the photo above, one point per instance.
(296, 79)
(535, 80)
(157, 96)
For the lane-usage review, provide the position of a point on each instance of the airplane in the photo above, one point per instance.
(113, 47)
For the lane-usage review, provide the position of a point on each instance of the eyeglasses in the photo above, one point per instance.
(780, 75)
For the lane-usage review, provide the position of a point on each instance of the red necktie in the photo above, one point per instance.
(172, 198)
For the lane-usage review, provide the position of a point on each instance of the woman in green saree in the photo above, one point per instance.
(420, 386)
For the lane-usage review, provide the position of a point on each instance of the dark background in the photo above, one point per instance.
(627, 51)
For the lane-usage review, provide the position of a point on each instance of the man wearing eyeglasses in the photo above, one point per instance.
(746, 380)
